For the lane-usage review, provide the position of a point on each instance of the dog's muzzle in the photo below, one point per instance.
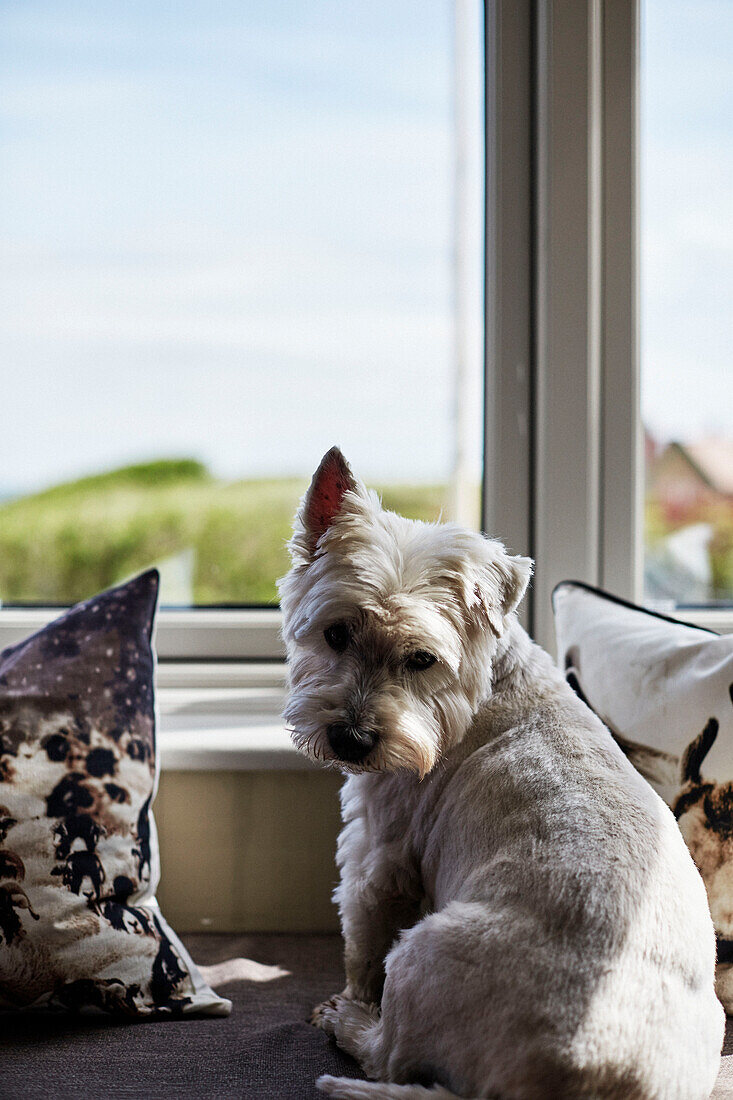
(350, 743)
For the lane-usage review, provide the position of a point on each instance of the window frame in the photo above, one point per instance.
(562, 420)
(202, 634)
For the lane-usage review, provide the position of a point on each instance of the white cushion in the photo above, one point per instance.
(665, 691)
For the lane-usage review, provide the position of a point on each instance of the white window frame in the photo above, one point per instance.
(562, 462)
(563, 474)
(203, 634)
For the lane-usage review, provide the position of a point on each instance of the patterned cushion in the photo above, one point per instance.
(79, 924)
(665, 691)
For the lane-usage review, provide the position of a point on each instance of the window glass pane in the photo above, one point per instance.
(232, 234)
(687, 299)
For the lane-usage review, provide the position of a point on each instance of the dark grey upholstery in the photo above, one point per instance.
(264, 1051)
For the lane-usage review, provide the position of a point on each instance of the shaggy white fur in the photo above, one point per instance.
(522, 919)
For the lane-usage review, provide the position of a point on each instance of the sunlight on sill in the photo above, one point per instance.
(227, 742)
(241, 970)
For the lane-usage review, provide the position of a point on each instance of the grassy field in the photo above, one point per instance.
(73, 540)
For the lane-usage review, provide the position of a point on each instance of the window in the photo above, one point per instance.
(356, 140)
(231, 236)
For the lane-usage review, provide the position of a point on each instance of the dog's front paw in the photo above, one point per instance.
(342, 1011)
(326, 1014)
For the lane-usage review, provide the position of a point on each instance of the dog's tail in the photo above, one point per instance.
(347, 1088)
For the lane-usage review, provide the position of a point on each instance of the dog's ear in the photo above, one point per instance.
(501, 586)
(323, 500)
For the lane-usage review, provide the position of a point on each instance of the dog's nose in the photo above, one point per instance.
(349, 742)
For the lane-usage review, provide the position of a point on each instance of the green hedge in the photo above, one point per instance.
(73, 540)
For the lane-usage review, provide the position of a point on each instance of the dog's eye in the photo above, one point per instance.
(416, 662)
(337, 636)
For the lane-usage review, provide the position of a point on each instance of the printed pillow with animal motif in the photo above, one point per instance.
(665, 691)
(79, 924)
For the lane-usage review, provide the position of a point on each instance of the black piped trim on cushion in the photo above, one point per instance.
(625, 603)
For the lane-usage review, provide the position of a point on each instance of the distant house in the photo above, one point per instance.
(685, 478)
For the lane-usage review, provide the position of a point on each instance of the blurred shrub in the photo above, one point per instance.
(75, 539)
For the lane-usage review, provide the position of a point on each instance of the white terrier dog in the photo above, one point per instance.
(522, 919)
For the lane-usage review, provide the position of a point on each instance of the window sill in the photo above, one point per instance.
(250, 744)
(225, 725)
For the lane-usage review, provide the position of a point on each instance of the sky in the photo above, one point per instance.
(226, 232)
(686, 218)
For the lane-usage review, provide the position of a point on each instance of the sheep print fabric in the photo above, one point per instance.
(80, 928)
